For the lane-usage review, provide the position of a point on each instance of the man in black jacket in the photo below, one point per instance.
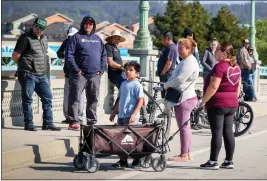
(30, 54)
(61, 54)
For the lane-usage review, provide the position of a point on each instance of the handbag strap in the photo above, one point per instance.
(189, 85)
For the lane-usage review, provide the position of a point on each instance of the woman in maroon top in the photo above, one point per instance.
(221, 99)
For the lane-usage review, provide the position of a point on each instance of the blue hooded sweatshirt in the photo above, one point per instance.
(86, 52)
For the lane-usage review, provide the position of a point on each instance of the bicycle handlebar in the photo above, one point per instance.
(149, 81)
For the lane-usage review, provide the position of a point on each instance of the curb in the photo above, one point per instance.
(38, 153)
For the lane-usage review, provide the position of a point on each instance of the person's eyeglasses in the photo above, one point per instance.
(38, 27)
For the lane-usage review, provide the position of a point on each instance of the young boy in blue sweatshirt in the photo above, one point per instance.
(131, 99)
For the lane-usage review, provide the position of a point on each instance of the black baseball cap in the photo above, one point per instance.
(40, 24)
(90, 19)
(168, 35)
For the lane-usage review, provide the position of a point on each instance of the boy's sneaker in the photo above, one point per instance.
(227, 164)
(120, 164)
(74, 126)
(210, 166)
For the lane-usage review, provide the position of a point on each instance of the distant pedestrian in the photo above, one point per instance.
(208, 60)
(244, 61)
(167, 59)
(188, 33)
(61, 54)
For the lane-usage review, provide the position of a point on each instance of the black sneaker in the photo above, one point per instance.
(120, 164)
(66, 121)
(227, 165)
(209, 166)
(30, 128)
(51, 128)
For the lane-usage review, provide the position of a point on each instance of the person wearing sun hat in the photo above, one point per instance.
(61, 54)
(115, 66)
(30, 54)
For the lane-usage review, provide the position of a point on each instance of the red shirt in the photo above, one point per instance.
(226, 95)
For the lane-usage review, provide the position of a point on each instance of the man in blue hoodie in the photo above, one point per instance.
(87, 59)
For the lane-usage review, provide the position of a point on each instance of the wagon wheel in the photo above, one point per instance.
(92, 165)
(79, 161)
(146, 162)
(159, 164)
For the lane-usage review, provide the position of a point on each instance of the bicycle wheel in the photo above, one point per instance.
(157, 115)
(243, 119)
(203, 119)
(143, 115)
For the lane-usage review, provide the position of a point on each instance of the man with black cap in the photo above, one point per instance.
(167, 59)
(87, 59)
(30, 54)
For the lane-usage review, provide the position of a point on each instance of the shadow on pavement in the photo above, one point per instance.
(36, 152)
(69, 149)
(184, 167)
(201, 133)
(68, 167)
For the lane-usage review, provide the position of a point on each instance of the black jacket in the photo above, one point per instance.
(61, 55)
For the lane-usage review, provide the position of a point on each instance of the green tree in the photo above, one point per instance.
(225, 27)
(261, 40)
(180, 15)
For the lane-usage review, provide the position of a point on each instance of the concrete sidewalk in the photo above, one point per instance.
(20, 148)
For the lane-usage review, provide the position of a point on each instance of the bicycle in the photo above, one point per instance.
(243, 118)
(198, 117)
(243, 112)
(155, 108)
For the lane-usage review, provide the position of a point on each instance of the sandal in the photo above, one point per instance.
(190, 158)
(179, 158)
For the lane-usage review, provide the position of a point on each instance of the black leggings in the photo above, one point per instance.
(221, 124)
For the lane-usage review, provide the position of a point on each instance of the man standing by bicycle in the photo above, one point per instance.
(167, 59)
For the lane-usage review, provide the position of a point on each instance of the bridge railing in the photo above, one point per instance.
(57, 65)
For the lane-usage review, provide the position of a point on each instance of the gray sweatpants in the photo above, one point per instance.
(77, 85)
(66, 101)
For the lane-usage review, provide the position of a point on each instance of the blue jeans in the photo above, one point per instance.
(252, 76)
(40, 84)
(248, 86)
